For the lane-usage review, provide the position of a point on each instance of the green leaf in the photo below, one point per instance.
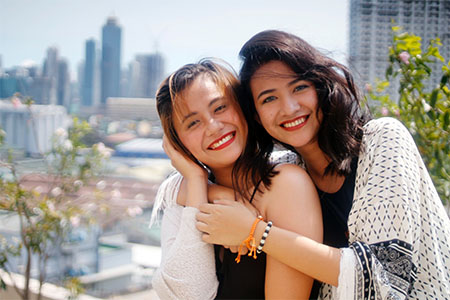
(2, 284)
(444, 80)
(389, 71)
(446, 120)
(434, 97)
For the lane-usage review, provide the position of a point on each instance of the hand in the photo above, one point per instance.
(184, 165)
(225, 222)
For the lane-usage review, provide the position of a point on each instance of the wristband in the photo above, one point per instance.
(264, 236)
(249, 242)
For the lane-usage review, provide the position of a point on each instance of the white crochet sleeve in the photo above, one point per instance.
(187, 269)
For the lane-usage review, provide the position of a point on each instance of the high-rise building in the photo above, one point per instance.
(88, 83)
(146, 75)
(110, 66)
(371, 34)
(63, 84)
(51, 74)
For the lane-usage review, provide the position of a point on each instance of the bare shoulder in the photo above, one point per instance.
(292, 185)
(290, 174)
(292, 202)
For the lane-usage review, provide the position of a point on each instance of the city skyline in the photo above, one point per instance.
(181, 32)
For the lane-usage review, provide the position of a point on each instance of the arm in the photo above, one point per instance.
(386, 225)
(301, 215)
(385, 209)
(187, 269)
(228, 222)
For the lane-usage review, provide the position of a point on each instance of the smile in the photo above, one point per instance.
(294, 124)
(223, 141)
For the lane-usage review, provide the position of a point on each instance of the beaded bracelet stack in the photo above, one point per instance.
(263, 238)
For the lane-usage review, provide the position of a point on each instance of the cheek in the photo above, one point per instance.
(187, 140)
(265, 117)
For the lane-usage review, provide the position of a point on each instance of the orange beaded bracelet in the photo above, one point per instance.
(249, 242)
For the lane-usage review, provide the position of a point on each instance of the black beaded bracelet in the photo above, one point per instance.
(264, 236)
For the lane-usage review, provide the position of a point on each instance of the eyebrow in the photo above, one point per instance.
(194, 113)
(265, 92)
(272, 90)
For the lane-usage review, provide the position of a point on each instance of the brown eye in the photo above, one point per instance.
(193, 123)
(300, 87)
(268, 99)
(220, 108)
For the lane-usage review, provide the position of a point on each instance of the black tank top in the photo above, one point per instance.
(244, 280)
(335, 210)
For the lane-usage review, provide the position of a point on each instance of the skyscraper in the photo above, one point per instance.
(88, 81)
(110, 66)
(371, 35)
(147, 72)
(50, 73)
(63, 84)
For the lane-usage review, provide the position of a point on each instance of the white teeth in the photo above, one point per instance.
(295, 123)
(222, 141)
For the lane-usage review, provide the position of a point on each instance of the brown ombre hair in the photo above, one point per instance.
(168, 105)
(172, 88)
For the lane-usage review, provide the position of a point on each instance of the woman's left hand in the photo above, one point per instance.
(225, 222)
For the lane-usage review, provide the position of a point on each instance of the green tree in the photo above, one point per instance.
(423, 109)
(47, 217)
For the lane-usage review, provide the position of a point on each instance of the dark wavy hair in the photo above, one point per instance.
(341, 128)
(171, 90)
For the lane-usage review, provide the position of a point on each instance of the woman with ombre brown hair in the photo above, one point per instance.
(206, 136)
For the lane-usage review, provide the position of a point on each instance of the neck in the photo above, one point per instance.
(223, 176)
(316, 162)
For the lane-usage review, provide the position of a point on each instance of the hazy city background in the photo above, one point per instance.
(102, 61)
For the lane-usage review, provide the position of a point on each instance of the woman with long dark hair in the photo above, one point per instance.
(386, 233)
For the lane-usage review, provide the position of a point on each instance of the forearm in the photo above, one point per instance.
(187, 269)
(196, 191)
(301, 253)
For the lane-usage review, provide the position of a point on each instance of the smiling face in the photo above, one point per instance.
(286, 106)
(210, 124)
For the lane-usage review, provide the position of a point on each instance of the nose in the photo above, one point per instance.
(213, 126)
(290, 105)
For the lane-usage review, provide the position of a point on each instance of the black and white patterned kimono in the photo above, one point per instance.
(399, 231)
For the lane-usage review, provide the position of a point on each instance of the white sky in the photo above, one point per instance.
(182, 30)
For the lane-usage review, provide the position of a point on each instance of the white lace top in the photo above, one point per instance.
(399, 231)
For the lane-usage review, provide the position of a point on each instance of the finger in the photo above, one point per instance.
(202, 227)
(205, 238)
(243, 251)
(206, 208)
(202, 217)
(234, 249)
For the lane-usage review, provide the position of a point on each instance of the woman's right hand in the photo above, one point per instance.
(184, 165)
